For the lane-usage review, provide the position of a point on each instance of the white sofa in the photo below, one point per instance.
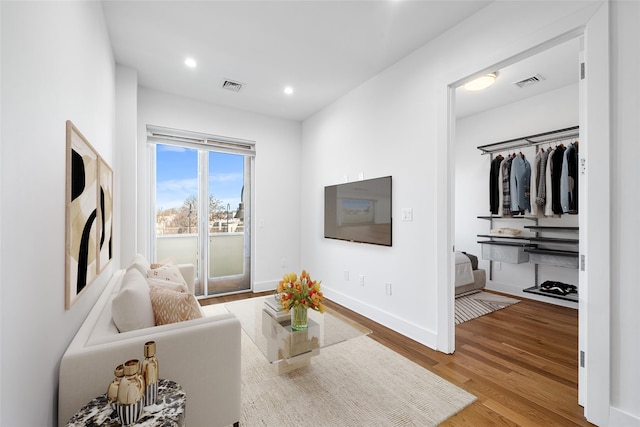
(202, 355)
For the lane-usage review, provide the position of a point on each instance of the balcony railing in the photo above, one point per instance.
(226, 252)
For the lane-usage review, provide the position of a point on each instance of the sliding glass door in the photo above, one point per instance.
(202, 208)
(228, 257)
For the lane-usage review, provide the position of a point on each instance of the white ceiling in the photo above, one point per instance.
(323, 49)
(558, 67)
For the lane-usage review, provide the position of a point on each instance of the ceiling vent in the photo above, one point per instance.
(529, 81)
(232, 86)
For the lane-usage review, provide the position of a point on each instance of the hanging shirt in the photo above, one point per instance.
(556, 176)
(500, 192)
(533, 187)
(548, 188)
(569, 183)
(519, 185)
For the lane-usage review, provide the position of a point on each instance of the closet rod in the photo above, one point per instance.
(531, 140)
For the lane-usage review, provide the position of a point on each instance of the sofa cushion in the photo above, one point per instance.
(170, 306)
(131, 307)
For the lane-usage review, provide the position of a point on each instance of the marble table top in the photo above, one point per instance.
(169, 410)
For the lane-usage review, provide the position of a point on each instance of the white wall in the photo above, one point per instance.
(552, 110)
(126, 158)
(389, 126)
(277, 174)
(625, 227)
(57, 65)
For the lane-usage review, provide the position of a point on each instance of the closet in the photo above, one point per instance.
(534, 210)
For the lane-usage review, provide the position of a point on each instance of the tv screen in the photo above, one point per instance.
(359, 211)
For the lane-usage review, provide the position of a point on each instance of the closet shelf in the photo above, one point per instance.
(551, 228)
(531, 218)
(531, 140)
(516, 244)
(555, 240)
(492, 236)
(538, 291)
(552, 252)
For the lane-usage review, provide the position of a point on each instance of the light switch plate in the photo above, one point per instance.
(407, 214)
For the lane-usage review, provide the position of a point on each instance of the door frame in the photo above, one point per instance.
(594, 302)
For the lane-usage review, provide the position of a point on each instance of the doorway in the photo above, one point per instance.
(594, 382)
(518, 118)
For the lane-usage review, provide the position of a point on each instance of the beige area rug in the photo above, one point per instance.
(478, 304)
(355, 383)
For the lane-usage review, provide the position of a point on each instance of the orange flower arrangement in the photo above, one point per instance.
(303, 291)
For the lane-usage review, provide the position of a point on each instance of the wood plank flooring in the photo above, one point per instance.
(520, 362)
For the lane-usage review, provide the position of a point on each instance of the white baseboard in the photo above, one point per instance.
(269, 285)
(391, 321)
(618, 418)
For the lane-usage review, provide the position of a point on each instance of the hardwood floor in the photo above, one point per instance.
(520, 362)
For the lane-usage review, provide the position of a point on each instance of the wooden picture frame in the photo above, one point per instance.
(82, 193)
(105, 214)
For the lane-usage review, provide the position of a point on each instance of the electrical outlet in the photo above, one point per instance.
(283, 263)
(387, 288)
(361, 280)
(498, 265)
(346, 276)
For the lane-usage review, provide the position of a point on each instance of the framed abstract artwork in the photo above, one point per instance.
(82, 192)
(105, 214)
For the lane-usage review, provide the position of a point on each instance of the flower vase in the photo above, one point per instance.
(299, 319)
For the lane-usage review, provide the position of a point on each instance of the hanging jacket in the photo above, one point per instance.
(506, 191)
(494, 185)
(519, 185)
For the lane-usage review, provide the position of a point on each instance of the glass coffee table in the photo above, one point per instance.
(283, 347)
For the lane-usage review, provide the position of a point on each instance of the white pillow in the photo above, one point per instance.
(140, 263)
(131, 308)
(169, 273)
(167, 284)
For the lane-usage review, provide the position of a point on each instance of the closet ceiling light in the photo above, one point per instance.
(482, 82)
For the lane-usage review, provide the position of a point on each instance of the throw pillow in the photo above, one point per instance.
(174, 286)
(140, 263)
(171, 306)
(159, 264)
(131, 308)
(169, 273)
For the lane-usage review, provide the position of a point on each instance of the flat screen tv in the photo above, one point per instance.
(359, 211)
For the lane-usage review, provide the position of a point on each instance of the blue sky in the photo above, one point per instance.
(177, 176)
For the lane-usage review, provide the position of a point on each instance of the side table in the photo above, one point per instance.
(169, 410)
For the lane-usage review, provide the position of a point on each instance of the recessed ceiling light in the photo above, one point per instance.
(190, 62)
(288, 90)
(481, 82)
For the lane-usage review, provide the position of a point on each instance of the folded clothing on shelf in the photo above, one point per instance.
(558, 288)
(505, 231)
